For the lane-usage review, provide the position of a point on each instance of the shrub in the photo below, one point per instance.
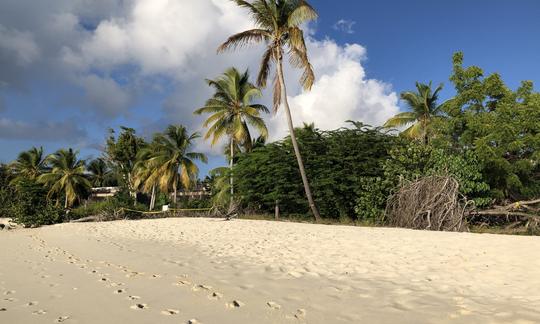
(31, 207)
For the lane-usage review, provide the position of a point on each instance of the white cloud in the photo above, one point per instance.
(139, 41)
(346, 26)
(19, 45)
(341, 92)
(160, 36)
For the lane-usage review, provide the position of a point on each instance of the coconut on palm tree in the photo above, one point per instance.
(278, 25)
(29, 164)
(232, 110)
(172, 161)
(67, 176)
(423, 110)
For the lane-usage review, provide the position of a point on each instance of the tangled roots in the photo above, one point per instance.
(430, 203)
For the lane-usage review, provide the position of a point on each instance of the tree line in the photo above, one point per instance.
(486, 137)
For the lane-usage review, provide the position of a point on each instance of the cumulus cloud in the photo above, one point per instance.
(341, 92)
(346, 26)
(66, 131)
(116, 52)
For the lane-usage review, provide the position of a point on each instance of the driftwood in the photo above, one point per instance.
(518, 214)
(232, 212)
(520, 208)
(430, 203)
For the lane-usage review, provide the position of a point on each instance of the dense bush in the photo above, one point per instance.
(340, 164)
(30, 206)
(412, 161)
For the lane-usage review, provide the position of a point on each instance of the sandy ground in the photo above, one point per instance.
(212, 271)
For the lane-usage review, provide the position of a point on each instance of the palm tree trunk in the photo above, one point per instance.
(153, 198)
(174, 190)
(66, 202)
(307, 189)
(231, 163)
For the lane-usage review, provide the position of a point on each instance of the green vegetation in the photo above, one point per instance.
(231, 111)
(40, 190)
(278, 25)
(485, 139)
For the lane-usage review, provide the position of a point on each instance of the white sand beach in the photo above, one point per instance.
(243, 271)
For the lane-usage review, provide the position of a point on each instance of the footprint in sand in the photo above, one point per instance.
(215, 296)
(9, 292)
(11, 299)
(39, 312)
(182, 283)
(169, 312)
(119, 291)
(199, 287)
(61, 319)
(235, 304)
(103, 279)
(193, 321)
(273, 305)
(116, 284)
(139, 306)
(155, 276)
(133, 297)
(300, 313)
(31, 303)
(3, 309)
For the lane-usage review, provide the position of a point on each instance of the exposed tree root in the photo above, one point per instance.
(431, 203)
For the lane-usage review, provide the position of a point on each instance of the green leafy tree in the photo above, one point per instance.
(67, 176)
(423, 110)
(232, 110)
(172, 161)
(339, 162)
(278, 24)
(121, 153)
(501, 127)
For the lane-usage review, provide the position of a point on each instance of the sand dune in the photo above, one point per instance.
(211, 271)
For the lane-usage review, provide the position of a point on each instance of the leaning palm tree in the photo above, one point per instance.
(172, 162)
(278, 24)
(423, 110)
(29, 164)
(100, 173)
(67, 176)
(232, 110)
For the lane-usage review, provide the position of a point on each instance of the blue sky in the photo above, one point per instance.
(71, 70)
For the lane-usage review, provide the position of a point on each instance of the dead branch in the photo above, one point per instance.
(432, 203)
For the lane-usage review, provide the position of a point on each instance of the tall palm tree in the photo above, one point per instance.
(172, 162)
(423, 110)
(278, 25)
(29, 164)
(100, 173)
(231, 110)
(66, 176)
